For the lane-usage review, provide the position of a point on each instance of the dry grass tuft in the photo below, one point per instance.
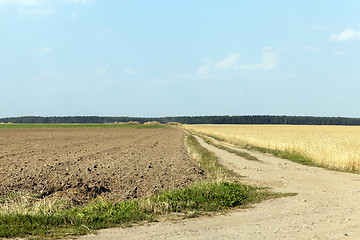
(26, 203)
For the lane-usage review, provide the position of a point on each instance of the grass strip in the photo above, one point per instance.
(292, 156)
(296, 157)
(231, 150)
(198, 199)
(192, 201)
(208, 160)
(77, 125)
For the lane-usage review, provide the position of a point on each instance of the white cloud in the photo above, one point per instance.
(310, 49)
(101, 69)
(32, 12)
(130, 71)
(44, 50)
(41, 3)
(346, 35)
(22, 3)
(228, 63)
(30, 8)
(341, 53)
(207, 66)
(269, 61)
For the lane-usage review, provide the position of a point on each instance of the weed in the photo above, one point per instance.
(208, 160)
(53, 219)
(331, 147)
(231, 150)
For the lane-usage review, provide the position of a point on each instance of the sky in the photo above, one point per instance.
(179, 58)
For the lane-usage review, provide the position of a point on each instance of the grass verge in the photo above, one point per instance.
(208, 160)
(53, 220)
(296, 157)
(242, 154)
(192, 201)
(292, 156)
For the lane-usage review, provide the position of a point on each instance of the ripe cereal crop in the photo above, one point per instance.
(329, 146)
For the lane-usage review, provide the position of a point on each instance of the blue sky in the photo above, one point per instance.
(175, 58)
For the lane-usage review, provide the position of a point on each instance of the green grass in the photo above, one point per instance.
(192, 201)
(76, 125)
(292, 156)
(231, 150)
(296, 157)
(220, 192)
(208, 160)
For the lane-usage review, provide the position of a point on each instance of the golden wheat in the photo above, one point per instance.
(332, 146)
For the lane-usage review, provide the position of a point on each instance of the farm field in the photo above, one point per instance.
(325, 206)
(330, 146)
(79, 164)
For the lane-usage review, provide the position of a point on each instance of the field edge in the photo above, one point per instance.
(218, 194)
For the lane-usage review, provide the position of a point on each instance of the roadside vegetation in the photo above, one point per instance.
(49, 219)
(331, 147)
(208, 160)
(26, 215)
(239, 153)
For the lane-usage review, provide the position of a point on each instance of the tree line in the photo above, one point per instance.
(255, 119)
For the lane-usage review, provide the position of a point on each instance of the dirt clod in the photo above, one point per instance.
(81, 164)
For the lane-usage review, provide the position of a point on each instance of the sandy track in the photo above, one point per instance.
(326, 207)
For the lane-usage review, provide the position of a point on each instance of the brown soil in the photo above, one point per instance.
(80, 164)
(326, 206)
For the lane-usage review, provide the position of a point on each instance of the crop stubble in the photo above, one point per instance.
(80, 164)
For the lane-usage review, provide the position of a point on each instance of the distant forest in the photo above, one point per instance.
(294, 120)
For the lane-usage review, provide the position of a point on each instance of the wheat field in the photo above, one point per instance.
(331, 146)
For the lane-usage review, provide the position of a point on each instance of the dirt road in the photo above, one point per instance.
(326, 207)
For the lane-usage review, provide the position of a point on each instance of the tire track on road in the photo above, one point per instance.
(326, 207)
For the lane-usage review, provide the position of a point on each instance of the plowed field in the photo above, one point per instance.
(82, 163)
